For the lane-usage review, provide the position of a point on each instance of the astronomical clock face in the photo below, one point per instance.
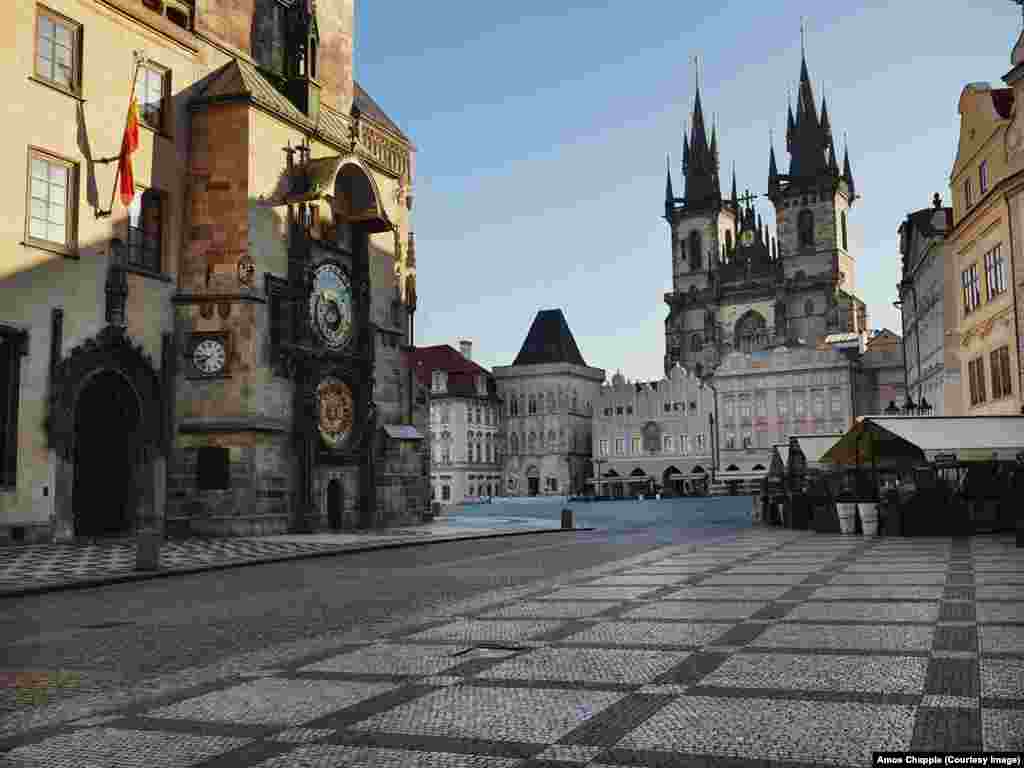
(334, 401)
(330, 306)
(209, 356)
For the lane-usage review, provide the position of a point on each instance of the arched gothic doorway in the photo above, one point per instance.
(106, 491)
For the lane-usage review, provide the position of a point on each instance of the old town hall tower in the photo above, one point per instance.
(735, 286)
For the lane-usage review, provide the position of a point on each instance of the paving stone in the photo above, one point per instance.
(948, 638)
(762, 728)
(865, 611)
(953, 702)
(302, 735)
(761, 579)
(878, 592)
(1002, 639)
(890, 674)
(999, 592)
(598, 593)
(649, 633)
(272, 701)
(117, 748)
(1002, 730)
(441, 680)
(472, 631)
(693, 669)
(947, 729)
(569, 753)
(740, 635)
(534, 715)
(636, 580)
(995, 613)
(1002, 678)
(700, 592)
(607, 727)
(952, 677)
(882, 577)
(390, 659)
(550, 609)
(586, 665)
(325, 756)
(859, 637)
(695, 611)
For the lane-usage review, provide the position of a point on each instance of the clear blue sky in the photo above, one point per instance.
(542, 130)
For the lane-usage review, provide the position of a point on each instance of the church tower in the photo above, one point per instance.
(700, 223)
(813, 200)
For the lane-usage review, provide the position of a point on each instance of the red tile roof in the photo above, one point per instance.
(443, 357)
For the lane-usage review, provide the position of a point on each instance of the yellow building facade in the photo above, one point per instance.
(227, 354)
(984, 256)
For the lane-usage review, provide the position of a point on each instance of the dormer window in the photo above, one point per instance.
(439, 382)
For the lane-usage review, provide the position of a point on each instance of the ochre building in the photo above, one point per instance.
(227, 354)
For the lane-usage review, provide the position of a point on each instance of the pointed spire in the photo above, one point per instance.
(686, 150)
(714, 141)
(735, 197)
(847, 173)
(826, 128)
(669, 196)
(701, 160)
(790, 124)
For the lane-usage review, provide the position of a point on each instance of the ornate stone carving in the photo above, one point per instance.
(335, 411)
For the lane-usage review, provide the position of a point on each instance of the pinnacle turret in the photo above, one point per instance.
(701, 160)
(669, 196)
(848, 174)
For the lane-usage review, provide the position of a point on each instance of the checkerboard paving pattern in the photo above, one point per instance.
(776, 646)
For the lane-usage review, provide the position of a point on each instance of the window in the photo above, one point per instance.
(268, 41)
(57, 50)
(983, 177)
(971, 289)
(730, 441)
(700, 442)
(152, 87)
(52, 202)
(842, 226)
(809, 307)
(745, 411)
(818, 403)
(145, 230)
(968, 193)
(479, 453)
(618, 410)
(805, 227)
(995, 272)
(532, 409)
(620, 445)
(668, 407)
(695, 251)
(213, 469)
(446, 493)
(782, 405)
(666, 443)
(603, 447)
(837, 402)
(1002, 385)
(695, 342)
(748, 440)
(12, 347)
(629, 410)
(684, 445)
(635, 445)
(976, 375)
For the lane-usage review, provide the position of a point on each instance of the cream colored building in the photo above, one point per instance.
(1013, 185)
(929, 311)
(549, 392)
(466, 424)
(203, 360)
(653, 436)
(984, 257)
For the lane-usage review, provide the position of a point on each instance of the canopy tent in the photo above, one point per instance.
(887, 440)
(813, 447)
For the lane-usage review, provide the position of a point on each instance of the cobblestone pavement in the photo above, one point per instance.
(769, 648)
(27, 568)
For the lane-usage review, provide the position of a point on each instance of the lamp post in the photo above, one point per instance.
(713, 425)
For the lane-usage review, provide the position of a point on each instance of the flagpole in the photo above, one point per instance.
(139, 58)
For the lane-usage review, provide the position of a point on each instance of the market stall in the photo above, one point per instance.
(942, 475)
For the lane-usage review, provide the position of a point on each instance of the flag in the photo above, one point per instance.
(128, 145)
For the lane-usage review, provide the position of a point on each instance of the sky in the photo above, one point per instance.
(542, 130)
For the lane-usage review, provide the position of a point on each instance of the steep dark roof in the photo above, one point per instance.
(371, 109)
(549, 341)
(1002, 100)
(461, 372)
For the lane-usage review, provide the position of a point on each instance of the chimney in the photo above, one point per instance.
(466, 348)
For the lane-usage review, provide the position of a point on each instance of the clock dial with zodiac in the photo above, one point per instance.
(330, 306)
(209, 356)
(335, 411)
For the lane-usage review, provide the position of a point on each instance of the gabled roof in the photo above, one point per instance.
(549, 341)
(371, 109)
(461, 372)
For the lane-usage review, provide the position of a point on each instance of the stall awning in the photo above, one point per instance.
(915, 438)
(783, 450)
(402, 432)
(814, 447)
(743, 476)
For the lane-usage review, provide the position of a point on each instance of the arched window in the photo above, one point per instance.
(805, 227)
(695, 251)
(750, 332)
(809, 307)
(842, 227)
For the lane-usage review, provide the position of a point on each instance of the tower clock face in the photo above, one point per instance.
(330, 306)
(335, 406)
(209, 356)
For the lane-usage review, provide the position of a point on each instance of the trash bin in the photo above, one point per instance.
(147, 550)
(567, 520)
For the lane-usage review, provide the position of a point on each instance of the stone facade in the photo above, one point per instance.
(929, 322)
(1013, 185)
(983, 253)
(652, 435)
(242, 227)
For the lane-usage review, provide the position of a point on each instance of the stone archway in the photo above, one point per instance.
(106, 491)
(107, 388)
(335, 504)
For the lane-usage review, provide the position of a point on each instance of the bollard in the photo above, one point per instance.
(147, 550)
(567, 520)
